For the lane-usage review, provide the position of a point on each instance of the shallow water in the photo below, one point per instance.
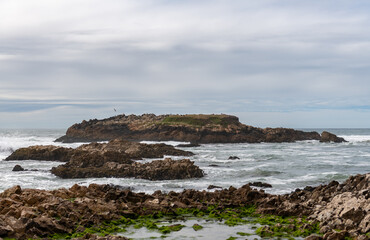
(286, 166)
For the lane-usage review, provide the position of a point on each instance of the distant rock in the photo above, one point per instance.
(260, 184)
(188, 145)
(233, 158)
(18, 168)
(195, 128)
(330, 137)
(213, 187)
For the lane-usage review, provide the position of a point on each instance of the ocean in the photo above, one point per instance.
(286, 166)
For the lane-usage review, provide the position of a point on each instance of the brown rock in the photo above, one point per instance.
(45, 153)
(329, 137)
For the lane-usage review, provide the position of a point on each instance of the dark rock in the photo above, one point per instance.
(156, 170)
(233, 158)
(189, 145)
(260, 184)
(330, 137)
(213, 187)
(18, 168)
(213, 165)
(186, 128)
(45, 153)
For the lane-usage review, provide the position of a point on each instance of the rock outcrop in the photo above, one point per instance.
(189, 128)
(45, 153)
(342, 209)
(329, 137)
(337, 206)
(166, 169)
(114, 159)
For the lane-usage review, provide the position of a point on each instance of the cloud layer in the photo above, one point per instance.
(80, 59)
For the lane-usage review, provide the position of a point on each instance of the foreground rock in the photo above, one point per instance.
(188, 128)
(31, 213)
(343, 206)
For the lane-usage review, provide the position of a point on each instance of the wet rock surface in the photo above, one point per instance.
(188, 128)
(31, 213)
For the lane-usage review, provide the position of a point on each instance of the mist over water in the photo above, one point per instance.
(286, 166)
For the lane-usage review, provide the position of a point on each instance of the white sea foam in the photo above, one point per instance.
(356, 138)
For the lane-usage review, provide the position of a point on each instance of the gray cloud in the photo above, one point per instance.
(182, 57)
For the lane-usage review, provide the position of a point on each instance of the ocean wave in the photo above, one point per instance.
(356, 138)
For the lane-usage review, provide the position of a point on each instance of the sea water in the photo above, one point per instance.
(286, 166)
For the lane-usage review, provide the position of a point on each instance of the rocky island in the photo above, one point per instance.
(194, 128)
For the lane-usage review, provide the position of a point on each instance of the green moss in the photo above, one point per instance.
(243, 234)
(171, 228)
(197, 227)
(272, 226)
(231, 238)
(199, 120)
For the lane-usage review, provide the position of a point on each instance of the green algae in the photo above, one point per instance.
(197, 227)
(198, 120)
(266, 225)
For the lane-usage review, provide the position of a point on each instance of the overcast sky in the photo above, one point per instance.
(272, 63)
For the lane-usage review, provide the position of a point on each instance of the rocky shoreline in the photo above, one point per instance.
(341, 210)
(187, 128)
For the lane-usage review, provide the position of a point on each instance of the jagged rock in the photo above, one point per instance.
(156, 170)
(18, 168)
(329, 137)
(233, 158)
(187, 128)
(114, 159)
(30, 213)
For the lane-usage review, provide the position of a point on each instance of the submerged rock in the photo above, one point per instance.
(260, 184)
(196, 128)
(18, 168)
